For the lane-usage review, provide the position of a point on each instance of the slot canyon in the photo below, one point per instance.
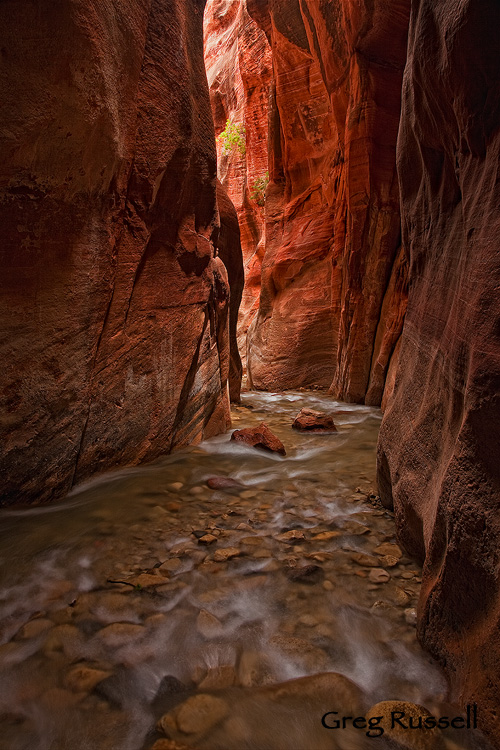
(250, 334)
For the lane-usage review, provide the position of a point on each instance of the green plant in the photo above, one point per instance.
(258, 191)
(233, 138)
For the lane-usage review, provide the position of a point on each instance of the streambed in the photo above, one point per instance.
(116, 614)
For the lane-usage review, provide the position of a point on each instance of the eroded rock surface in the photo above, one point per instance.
(114, 309)
(333, 290)
(439, 443)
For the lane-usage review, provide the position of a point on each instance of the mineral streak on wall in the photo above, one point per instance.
(114, 307)
(239, 70)
(333, 293)
(439, 450)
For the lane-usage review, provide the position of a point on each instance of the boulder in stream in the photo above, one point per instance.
(309, 420)
(260, 437)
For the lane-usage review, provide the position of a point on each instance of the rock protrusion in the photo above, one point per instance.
(260, 437)
(309, 420)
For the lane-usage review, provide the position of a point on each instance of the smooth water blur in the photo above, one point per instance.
(94, 649)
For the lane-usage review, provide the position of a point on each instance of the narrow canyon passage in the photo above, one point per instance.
(115, 613)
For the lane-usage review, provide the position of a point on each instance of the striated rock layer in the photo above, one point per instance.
(114, 308)
(333, 290)
(439, 444)
(239, 70)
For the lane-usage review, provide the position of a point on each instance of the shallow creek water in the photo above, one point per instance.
(115, 614)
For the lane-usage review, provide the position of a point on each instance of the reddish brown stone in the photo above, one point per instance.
(223, 483)
(333, 290)
(440, 440)
(260, 437)
(114, 309)
(308, 420)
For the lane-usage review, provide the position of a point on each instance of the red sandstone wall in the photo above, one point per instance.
(114, 337)
(239, 69)
(439, 445)
(229, 250)
(333, 277)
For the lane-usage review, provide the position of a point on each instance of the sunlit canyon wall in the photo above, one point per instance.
(439, 451)
(239, 71)
(333, 293)
(114, 306)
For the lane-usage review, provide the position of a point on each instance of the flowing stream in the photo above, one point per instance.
(146, 597)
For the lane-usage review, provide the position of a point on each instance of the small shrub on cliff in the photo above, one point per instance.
(233, 138)
(258, 191)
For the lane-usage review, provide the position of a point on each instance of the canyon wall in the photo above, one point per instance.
(114, 305)
(333, 293)
(239, 70)
(439, 448)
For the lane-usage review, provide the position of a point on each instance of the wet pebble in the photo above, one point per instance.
(195, 716)
(379, 575)
(208, 625)
(411, 616)
(227, 553)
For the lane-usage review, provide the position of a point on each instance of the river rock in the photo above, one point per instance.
(119, 634)
(195, 716)
(176, 486)
(294, 536)
(394, 550)
(171, 566)
(170, 745)
(400, 596)
(252, 541)
(207, 539)
(227, 553)
(83, 678)
(367, 561)
(379, 575)
(305, 574)
(63, 638)
(406, 739)
(388, 561)
(411, 616)
(325, 536)
(208, 625)
(355, 528)
(336, 688)
(260, 437)
(254, 669)
(146, 580)
(218, 678)
(308, 420)
(34, 628)
(300, 652)
(223, 483)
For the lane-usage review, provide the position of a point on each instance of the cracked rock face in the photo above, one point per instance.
(333, 292)
(438, 459)
(115, 311)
